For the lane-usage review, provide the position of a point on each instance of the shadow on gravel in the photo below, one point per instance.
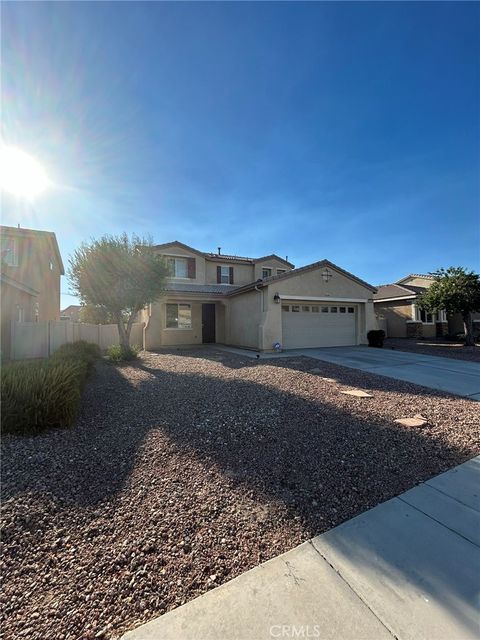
(322, 462)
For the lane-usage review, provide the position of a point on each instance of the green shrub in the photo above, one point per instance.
(86, 351)
(118, 353)
(40, 394)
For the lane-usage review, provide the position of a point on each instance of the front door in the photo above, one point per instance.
(208, 322)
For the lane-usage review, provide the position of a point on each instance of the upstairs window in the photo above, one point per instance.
(9, 252)
(266, 272)
(225, 275)
(181, 267)
(280, 271)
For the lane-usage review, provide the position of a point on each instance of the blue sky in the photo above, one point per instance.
(347, 131)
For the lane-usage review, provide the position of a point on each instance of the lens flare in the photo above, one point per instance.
(21, 174)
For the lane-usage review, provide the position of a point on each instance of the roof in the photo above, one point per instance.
(72, 307)
(414, 275)
(18, 285)
(20, 231)
(300, 270)
(386, 291)
(211, 255)
(212, 289)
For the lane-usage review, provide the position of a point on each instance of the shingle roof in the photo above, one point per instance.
(213, 289)
(394, 291)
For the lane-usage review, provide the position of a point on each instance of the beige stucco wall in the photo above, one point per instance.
(396, 314)
(417, 282)
(243, 315)
(10, 299)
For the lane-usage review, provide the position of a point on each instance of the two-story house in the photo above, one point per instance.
(257, 302)
(31, 266)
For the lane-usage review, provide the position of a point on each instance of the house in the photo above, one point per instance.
(72, 312)
(397, 304)
(30, 279)
(257, 302)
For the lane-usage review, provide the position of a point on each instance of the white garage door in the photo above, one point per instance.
(306, 325)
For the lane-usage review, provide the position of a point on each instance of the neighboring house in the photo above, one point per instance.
(397, 304)
(31, 267)
(72, 312)
(257, 302)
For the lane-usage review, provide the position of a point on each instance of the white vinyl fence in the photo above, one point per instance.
(41, 339)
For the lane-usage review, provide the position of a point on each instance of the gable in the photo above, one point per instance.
(311, 283)
(416, 280)
(177, 248)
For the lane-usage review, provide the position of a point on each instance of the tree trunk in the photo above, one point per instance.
(468, 324)
(122, 334)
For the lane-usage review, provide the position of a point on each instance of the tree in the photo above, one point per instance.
(98, 315)
(120, 275)
(455, 290)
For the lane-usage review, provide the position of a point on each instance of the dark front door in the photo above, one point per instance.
(208, 323)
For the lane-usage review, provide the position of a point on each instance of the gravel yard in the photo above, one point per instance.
(191, 467)
(441, 348)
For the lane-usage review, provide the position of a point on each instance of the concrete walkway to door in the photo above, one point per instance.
(444, 374)
(407, 569)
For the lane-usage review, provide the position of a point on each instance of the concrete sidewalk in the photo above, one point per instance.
(407, 569)
(444, 374)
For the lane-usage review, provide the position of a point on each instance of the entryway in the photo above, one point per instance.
(208, 323)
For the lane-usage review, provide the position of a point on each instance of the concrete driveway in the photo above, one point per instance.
(445, 374)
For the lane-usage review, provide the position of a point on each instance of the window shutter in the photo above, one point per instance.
(219, 275)
(231, 275)
(191, 268)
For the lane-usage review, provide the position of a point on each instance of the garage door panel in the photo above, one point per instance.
(305, 329)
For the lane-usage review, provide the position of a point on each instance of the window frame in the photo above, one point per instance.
(178, 305)
(295, 308)
(223, 275)
(176, 259)
(269, 269)
(280, 271)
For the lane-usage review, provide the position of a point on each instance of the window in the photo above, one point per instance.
(285, 307)
(266, 272)
(425, 316)
(179, 316)
(324, 309)
(305, 308)
(343, 309)
(178, 267)
(280, 271)
(295, 308)
(333, 309)
(315, 309)
(225, 275)
(9, 253)
(351, 309)
(20, 314)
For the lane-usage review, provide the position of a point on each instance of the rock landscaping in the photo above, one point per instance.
(442, 348)
(187, 468)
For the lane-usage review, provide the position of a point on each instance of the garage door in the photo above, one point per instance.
(307, 325)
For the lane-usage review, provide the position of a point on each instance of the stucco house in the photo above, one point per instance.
(257, 302)
(31, 266)
(397, 305)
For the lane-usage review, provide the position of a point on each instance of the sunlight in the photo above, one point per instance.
(21, 174)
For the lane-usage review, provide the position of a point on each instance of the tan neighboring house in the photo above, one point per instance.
(257, 303)
(30, 279)
(397, 305)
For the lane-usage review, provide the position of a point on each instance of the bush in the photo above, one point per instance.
(40, 394)
(376, 338)
(118, 353)
(81, 350)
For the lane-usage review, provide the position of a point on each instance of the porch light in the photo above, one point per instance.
(276, 298)
(326, 275)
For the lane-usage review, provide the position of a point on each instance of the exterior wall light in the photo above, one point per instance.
(276, 298)
(326, 275)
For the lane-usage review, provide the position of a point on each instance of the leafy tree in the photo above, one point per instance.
(455, 290)
(120, 275)
(98, 315)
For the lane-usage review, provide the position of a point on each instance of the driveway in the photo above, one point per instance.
(444, 374)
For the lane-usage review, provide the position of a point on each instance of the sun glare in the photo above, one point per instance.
(21, 174)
